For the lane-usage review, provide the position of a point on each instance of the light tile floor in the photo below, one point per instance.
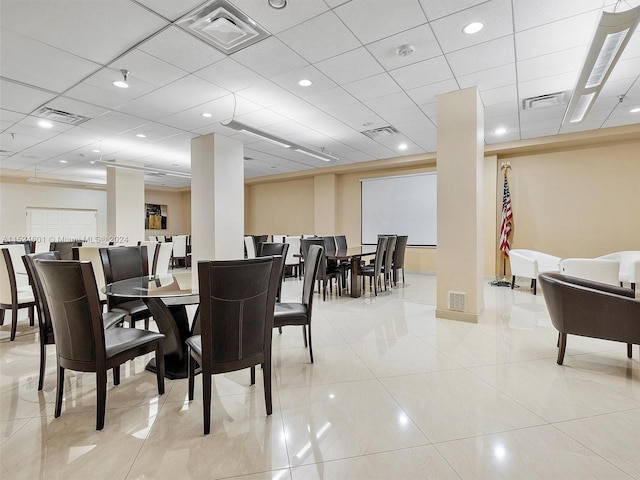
(394, 393)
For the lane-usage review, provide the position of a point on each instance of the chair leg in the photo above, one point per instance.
(304, 335)
(160, 367)
(1, 316)
(562, 347)
(513, 281)
(629, 350)
(206, 402)
(280, 330)
(101, 392)
(31, 317)
(43, 364)
(253, 375)
(59, 391)
(116, 375)
(14, 323)
(266, 380)
(191, 368)
(534, 284)
(310, 345)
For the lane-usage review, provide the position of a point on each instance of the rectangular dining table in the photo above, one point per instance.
(354, 255)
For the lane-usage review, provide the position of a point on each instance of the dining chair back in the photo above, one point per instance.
(237, 300)
(152, 253)
(291, 260)
(249, 246)
(398, 257)
(179, 250)
(377, 269)
(388, 260)
(300, 313)
(163, 259)
(82, 343)
(15, 291)
(341, 242)
(64, 248)
(266, 249)
(121, 263)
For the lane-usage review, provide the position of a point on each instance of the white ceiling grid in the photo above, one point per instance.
(65, 56)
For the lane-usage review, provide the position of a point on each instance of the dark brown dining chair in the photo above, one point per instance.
(325, 272)
(15, 291)
(64, 248)
(237, 299)
(82, 343)
(398, 257)
(388, 261)
(121, 263)
(375, 271)
(266, 249)
(286, 314)
(45, 327)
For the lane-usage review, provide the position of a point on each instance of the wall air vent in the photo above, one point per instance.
(223, 26)
(548, 100)
(457, 301)
(60, 116)
(378, 132)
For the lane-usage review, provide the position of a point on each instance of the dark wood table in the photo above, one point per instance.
(167, 297)
(354, 255)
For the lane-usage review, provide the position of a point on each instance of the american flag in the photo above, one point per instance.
(507, 218)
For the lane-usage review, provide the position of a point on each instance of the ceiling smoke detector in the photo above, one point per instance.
(405, 50)
(223, 26)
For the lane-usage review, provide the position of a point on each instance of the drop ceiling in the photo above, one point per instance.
(65, 55)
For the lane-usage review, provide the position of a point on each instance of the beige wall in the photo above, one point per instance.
(572, 195)
(177, 221)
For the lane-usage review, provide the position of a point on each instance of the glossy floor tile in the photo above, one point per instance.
(394, 393)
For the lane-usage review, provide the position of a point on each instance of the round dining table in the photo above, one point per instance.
(166, 296)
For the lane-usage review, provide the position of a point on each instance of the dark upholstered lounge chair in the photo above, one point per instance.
(591, 309)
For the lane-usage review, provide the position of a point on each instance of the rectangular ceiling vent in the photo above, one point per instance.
(378, 132)
(223, 26)
(548, 100)
(60, 116)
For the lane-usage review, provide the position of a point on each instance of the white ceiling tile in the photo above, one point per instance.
(75, 107)
(260, 118)
(267, 94)
(48, 67)
(437, 8)
(145, 67)
(275, 21)
(420, 38)
(554, 37)
(390, 103)
(290, 81)
(495, 96)
(350, 66)
(495, 15)
(223, 108)
(229, 74)
(428, 93)
(527, 14)
(481, 57)
(426, 72)
(373, 87)
(20, 98)
(176, 47)
(93, 25)
(544, 86)
(113, 122)
(491, 78)
(269, 58)
(322, 37)
(170, 9)
(328, 100)
(551, 64)
(360, 117)
(371, 20)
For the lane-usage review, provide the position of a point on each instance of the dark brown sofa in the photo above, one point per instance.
(591, 309)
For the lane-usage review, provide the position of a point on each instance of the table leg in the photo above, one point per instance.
(355, 277)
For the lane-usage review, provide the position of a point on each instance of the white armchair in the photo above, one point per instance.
(629, 266)
(594, 269)
(530, 264)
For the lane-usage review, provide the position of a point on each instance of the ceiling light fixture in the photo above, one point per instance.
(277, 4)
(95, 150)
(320, 156)
(613, 32)
(155, 171)
(473, 27)
(305, 82)
(141, 135)
(402, 146)
(500, 131)
(122, 83)
(206, 115)
(45, 124)
(241, 127)
(635, 110)
(63, 161)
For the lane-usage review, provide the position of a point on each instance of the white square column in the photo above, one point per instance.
(125, 206)
(460, 257)
(217, 199)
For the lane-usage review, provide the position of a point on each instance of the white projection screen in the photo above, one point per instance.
(402, 205)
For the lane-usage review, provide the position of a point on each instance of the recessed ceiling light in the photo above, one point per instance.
(122, 83)
(63, 161)
(95, 150)
(635, 110)
(45, 124)
(500, 131)
(305, 82)
(206, 115)
(473, 27)
(402, 146)
(141, 135)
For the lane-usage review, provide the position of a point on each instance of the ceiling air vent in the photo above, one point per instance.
(378, 132)
(223, 26)
(60, 116)
(548, 100)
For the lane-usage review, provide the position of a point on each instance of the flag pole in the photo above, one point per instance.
(505, 227)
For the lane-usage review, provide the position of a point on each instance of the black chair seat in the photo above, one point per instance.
(134, 308)
(110, 319)
(290, 314)
(119, 340)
